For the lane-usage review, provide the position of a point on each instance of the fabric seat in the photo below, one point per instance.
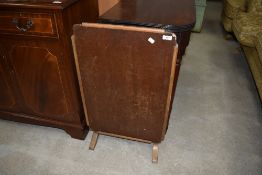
(255, 67)
(246, 27)
(259, 64)
(230, 11)
(227, 22)
(255, 7)
(232, 7)
(258, 44)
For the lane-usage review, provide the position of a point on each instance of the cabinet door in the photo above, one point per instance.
(38, 77)
(7, 99)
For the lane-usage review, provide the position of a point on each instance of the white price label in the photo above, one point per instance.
(151, 40)
(167, 37)
(57, 2)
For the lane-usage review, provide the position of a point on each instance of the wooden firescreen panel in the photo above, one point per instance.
(126, 75)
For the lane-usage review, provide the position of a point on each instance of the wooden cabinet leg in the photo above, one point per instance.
(155, 153)
(93, 141)
(77, 133)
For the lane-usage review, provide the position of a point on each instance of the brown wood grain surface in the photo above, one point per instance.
(7, 100)
(178, 15)
(105, 5)
(127, 81)
(38, 76)
(42, 23)
(37, 4)
(41, 85)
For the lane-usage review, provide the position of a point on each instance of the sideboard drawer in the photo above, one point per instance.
(32, 24)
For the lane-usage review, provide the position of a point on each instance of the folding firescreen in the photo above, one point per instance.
(126, 77)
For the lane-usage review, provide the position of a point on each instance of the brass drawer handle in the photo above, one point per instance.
(28, 25)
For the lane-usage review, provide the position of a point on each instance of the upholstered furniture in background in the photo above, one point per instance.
(200, 13)
(230, 10)
(247, 28)
(255, 6)
(254, 59)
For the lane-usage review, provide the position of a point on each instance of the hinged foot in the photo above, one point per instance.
(155, 153)
(93, 141)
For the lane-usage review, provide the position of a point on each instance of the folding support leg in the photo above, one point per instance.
(155, 153)
(93, 141)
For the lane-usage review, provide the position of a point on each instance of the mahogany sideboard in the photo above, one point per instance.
(177, 16)
(37, 71)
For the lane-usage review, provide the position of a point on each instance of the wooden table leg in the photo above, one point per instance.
(155, 153)
(93, 141)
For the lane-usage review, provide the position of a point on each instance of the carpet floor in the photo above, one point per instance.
(215, 127)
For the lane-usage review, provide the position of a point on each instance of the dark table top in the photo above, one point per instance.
(172, 15)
